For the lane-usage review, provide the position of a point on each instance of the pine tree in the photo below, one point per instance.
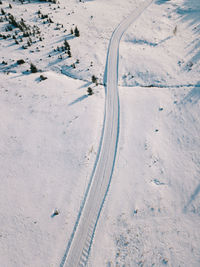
(76, 32)
(3, 12)
(94, 79)
(69, 53)
(66, 45)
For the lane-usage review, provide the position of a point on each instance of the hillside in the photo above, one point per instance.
(51, 128)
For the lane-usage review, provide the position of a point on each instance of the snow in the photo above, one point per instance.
(95, 32)
(79, 246)
(49, 138)
(162, 49)
(151, 214)
(50, 132)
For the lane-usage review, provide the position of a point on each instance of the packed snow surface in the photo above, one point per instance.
(50, 132)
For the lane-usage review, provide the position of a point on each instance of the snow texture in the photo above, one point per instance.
(50, 132)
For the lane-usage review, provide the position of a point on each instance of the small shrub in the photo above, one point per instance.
(94, 79)
(20, 61)
(55, 213)
(90, 91)
(44, 16)
(42, 78)
(175, 30)
(33, 68)
(26, 34)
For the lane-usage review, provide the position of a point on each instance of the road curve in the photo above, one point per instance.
(79, 245)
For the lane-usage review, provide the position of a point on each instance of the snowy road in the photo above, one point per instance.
(79, 246)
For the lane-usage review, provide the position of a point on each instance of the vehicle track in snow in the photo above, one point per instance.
(79, 245)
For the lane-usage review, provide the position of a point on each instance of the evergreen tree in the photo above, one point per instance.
(66, 45)
(94, 79)
(76, 32)
(69, 53)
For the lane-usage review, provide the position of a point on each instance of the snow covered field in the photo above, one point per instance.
(49, 137)
(50, 132)
(151, 214)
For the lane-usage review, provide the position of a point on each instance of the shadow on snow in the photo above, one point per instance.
(79, 99)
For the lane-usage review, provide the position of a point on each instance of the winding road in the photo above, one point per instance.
(79, 245)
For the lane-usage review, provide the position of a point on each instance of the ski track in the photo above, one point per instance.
(79, 245)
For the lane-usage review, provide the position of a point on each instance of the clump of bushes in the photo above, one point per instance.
(4, 63)
(94, 79)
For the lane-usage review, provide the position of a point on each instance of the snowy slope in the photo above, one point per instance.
(50, 132)
(164, 46)
(151, 215)
(93, 19)
(49, 138)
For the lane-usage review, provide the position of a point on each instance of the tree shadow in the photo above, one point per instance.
(160, 2)
(193, 96)
(192, 198)
(79, 99)
(65, 37)
(85, 85)
(190, 13)
(164, 40)
(141, 42)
